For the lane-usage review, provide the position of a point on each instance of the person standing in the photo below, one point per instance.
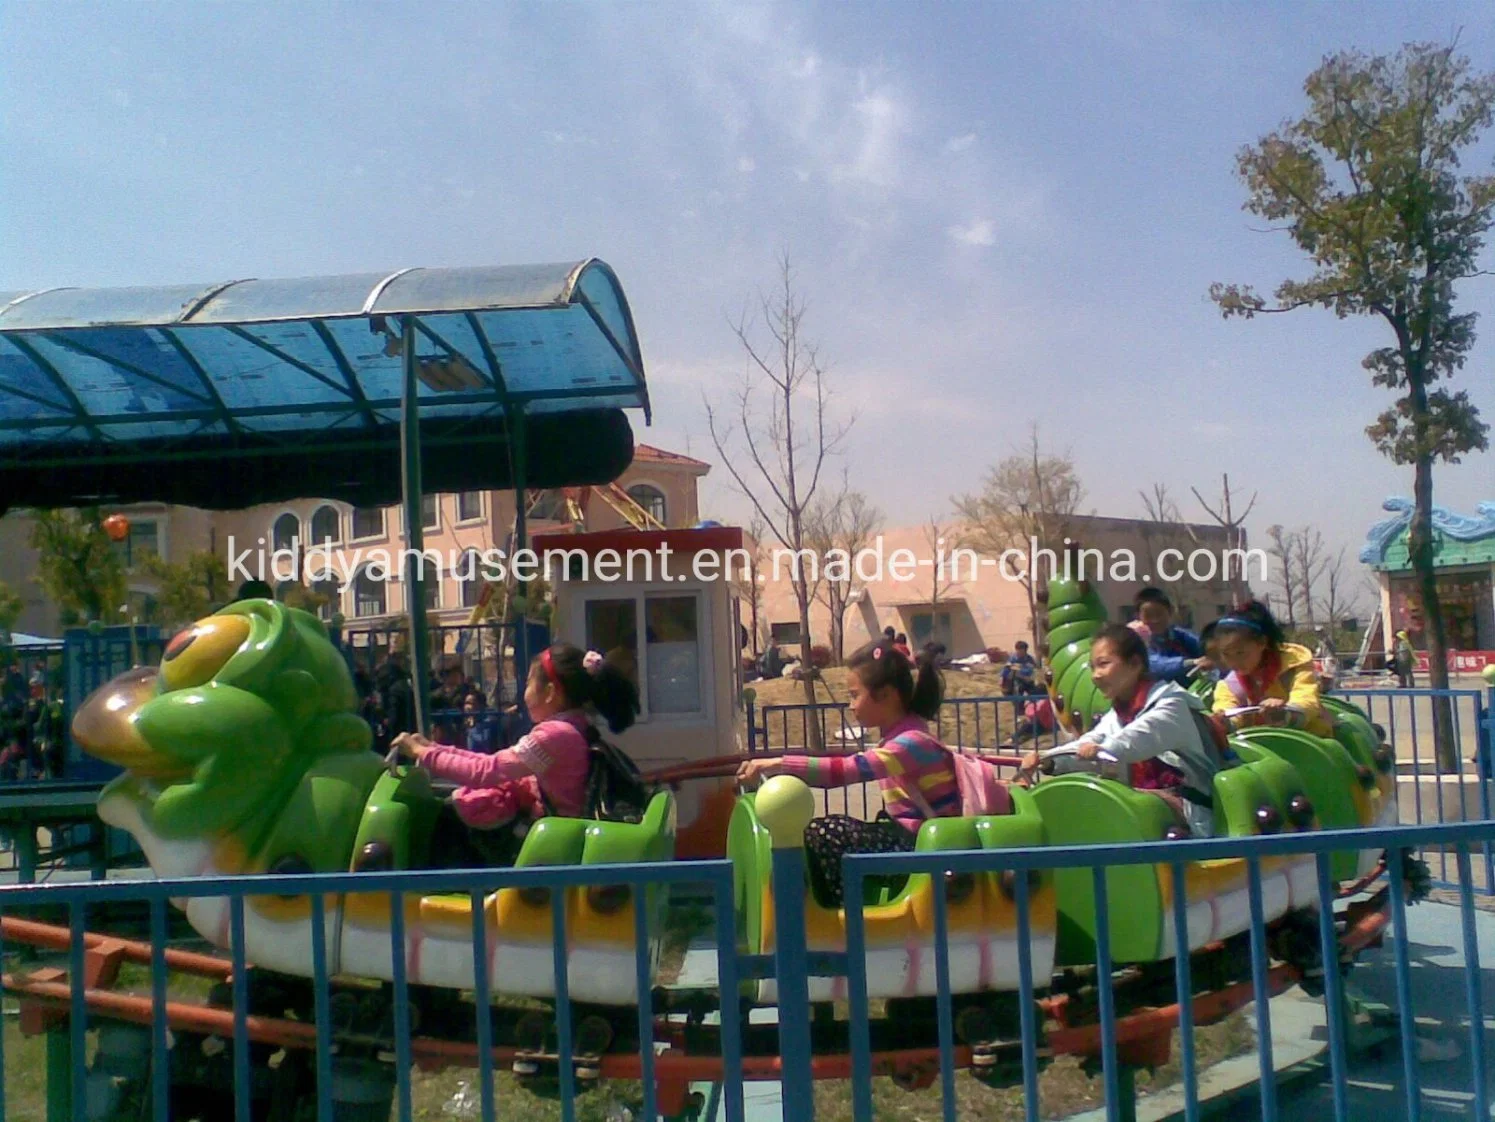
(1404, 658)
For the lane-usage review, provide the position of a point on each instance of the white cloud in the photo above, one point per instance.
(980, 231)
(556, 137)
(960, 143)
(746, 164)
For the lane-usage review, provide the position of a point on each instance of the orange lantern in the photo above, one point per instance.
(117, 526)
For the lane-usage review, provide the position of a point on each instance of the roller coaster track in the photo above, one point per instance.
(691, 1054)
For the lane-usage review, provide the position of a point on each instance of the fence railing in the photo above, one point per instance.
(1443, 774)
(345, 1052)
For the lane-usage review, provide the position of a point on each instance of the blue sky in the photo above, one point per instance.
(1000, 213)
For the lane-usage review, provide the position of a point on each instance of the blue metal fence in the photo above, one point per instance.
(360, 1072)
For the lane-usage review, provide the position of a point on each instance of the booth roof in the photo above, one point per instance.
(226, 395)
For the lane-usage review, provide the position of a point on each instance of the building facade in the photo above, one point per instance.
(352, 557)
(972, 603)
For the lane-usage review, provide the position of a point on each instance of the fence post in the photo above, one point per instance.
(752, 721)
(785, 806)
(1485, 751)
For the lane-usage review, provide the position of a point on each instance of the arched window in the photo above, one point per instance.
(651, 499)
(286, 532)
(368, 595)
(331, 595)
(326, 526)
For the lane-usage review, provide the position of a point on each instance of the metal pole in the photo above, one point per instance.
(420, 655)
(519, 451)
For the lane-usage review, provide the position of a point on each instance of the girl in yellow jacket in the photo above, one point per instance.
(1267, 671)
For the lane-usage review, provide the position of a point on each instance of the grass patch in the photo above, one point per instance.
(1063, 1087)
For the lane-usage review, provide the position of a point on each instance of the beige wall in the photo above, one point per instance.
(986, 610)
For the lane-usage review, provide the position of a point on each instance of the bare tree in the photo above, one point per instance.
(1234, 526)
(749, 584)
(1163, 529)
(837, 530)
(1028, 499)
(1283, 550)
(1308, 549)
(776, 453)
(1341, 598)
(940, 537)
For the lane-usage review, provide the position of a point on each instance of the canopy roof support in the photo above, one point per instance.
(415, 531)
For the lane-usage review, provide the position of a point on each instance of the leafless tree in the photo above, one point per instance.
(1028, 497)
(776, 435)
(1234, 526)
(940, 538)
(837, 530)
(1308, 550)
(1341, 594)
(1283, 550)
(1164, 529)
(748, 584)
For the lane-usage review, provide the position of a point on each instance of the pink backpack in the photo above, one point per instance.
(981, 792)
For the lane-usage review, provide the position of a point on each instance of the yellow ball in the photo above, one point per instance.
(785, 806)
(1488, 673)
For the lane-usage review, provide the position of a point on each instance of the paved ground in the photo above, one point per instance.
(1377, 1085)
(1408, 721)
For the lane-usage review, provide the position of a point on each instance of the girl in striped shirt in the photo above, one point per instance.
(912, 769)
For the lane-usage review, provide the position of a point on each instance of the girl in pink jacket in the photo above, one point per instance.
(546, 772)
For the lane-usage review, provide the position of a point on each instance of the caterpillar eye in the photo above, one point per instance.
(199, 652)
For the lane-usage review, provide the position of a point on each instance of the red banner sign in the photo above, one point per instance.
(1460, 662)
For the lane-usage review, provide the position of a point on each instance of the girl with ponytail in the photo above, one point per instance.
(914, 771)
(546, 771)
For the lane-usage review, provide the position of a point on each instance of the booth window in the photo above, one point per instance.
(674, 654)
(651, 499)
(430, 512)
(668, 668)
(612, 630)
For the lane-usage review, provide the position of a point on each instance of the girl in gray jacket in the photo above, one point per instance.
(1153, 733)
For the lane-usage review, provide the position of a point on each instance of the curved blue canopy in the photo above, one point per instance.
(138, 375)
(310, 354)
